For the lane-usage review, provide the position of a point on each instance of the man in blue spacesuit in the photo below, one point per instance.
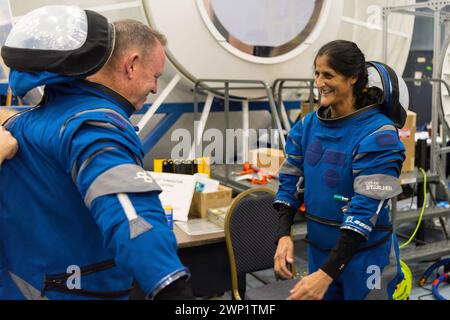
(80, 217)
(343, 162)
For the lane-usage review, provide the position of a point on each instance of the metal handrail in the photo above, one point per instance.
(279, 85)
(260, 85)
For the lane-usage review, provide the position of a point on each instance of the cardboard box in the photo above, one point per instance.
(202, 201)
(307, 108)
(407, 134)
(269, 160)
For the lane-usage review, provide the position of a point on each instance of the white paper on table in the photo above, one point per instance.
(195, 227)
(178, 190)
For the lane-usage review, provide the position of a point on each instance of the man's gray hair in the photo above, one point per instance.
(132, 33)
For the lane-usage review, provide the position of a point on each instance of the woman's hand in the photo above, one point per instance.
(311, 287)
(284, 253)
(8, 145)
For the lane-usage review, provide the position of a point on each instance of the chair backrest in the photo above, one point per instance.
(250, 230)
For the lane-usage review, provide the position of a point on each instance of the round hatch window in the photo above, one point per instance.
(261, 28)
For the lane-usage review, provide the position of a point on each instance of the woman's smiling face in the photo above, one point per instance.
(335, 89)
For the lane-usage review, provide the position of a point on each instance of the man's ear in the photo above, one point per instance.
(131, 64)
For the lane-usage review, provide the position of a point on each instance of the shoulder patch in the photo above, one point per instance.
(378, 186)
(386, 139)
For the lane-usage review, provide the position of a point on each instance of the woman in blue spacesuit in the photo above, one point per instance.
(343, 162)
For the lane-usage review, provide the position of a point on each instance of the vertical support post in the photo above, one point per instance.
(385, 16)
(195, 101)
(227, 126)
(422, 163)
(445, 133)
(285, 117)
(282, 108)
(446, 27)
(275, 117)
(435, 90)
(311, 96)
(196, 149)
(193, 151)
(245, 128)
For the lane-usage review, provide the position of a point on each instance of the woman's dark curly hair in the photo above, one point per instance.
(347, 59)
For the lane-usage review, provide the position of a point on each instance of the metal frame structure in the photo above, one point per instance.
(437, 173)
(200, 84)
(174, 111)
(440, 151)
(279, 86)
(276, 105)
(223, 92)
(436, 7)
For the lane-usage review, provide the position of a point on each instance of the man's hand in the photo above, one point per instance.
(5, 113)
(8, 145)
(311, 287)
(284, 253)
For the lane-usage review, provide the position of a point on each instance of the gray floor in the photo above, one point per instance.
(433, 233)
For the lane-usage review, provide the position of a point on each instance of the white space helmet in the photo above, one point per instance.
(66, 40)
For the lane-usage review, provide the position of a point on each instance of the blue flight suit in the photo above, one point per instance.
(358, 156)
(75, 200)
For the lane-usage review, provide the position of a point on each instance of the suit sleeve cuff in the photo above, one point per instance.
(341, 255)
(286, 216)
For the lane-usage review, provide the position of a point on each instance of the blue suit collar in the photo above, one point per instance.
(108, 93)
(323, 114)
(95, 90)
(22, 82)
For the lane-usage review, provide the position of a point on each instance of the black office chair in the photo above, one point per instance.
(250, 231)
